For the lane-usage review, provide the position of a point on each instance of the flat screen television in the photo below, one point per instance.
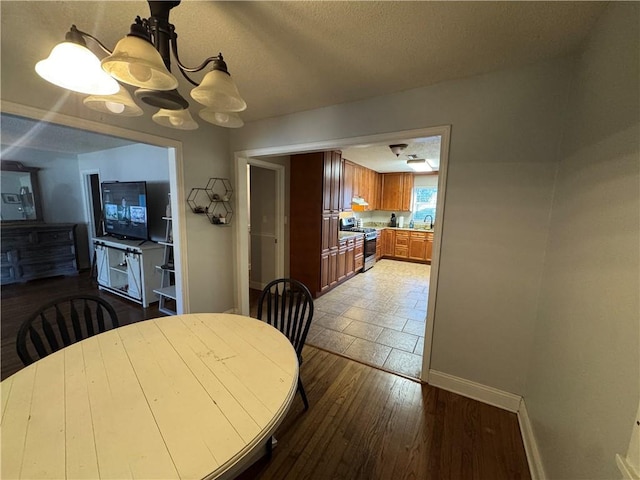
(125, 209)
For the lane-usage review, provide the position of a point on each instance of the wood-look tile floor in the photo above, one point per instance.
(377, 317)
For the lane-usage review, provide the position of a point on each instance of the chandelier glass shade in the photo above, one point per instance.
(180, 119)
(75, 67)
(119, 103)
(142, 60)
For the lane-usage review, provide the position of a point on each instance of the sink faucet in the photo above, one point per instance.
(430, 222)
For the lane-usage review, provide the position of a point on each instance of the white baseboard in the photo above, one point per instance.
(530, 445)
(256, 285)
(231, 310)
(482, 393)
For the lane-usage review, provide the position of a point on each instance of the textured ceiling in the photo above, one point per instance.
(23, 133)
(293, 56)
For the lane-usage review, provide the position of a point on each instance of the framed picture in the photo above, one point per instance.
(11, 198)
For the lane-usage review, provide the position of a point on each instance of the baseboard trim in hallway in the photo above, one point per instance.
(477, 391)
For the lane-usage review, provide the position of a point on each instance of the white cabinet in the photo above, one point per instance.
(127, 268)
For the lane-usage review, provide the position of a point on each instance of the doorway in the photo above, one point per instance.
(38, 119)
(244, 158)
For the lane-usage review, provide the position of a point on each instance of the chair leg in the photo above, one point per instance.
(303, 394)
(270, 448)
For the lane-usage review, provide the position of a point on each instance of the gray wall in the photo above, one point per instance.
(505, 131)
(583, 386)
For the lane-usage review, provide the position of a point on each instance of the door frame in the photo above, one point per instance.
(243, 157)
(176, 177)
(241, 234)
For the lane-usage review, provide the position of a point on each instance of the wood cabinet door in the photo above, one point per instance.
(429, 249)
(349, 261)
(407, 191)
(342, 262)
(326, 182)
(417, 248)
(334, 226)
(389, 242)
(336, 174)
(347, 185)
(326, 232)
(324, 272)
(333, 268)
(392, 189)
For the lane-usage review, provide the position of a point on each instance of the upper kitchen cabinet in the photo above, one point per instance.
(332, 165)
(359, 182)
(396, 191)
(348, 170)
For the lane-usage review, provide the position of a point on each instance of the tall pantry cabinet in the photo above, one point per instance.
(314, 219)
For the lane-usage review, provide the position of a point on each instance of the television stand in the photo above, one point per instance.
(127, 268)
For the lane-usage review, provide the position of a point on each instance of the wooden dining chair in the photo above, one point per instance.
(287, 305)
(62, 322)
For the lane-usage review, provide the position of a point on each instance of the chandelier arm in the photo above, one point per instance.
(88, 35)
(183, 68)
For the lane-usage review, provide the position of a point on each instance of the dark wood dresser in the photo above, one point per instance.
(37, 250)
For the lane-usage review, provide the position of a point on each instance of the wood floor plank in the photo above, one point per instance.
(365, 423)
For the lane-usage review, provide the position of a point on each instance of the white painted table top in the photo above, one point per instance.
(187, 396)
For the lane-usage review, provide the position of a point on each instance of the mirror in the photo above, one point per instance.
(20, 193)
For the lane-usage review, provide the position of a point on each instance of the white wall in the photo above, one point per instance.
(583, 387)
(505, 132)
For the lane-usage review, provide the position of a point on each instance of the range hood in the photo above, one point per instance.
(361, 202)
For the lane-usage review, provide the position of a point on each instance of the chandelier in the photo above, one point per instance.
(142, 59)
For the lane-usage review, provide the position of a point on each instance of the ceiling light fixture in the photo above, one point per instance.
(398, 149)
(142, 59)
(419, 165)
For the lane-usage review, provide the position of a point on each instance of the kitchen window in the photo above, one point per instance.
(424, 203)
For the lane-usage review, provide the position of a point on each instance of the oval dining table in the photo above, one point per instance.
(187, 396)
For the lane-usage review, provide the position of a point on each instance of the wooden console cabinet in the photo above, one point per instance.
(33, 251)
(128, 268)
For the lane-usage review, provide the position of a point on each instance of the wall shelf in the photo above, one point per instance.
(213, 200)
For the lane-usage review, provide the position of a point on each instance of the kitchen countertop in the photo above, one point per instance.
(415, 229)
(342, 234)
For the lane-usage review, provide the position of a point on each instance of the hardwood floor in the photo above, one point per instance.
(365, 423)
(21, 300)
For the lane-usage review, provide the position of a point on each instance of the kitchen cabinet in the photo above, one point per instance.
(429, 251)
(314, 219)
(418, 245)
(396, 191)
(348, 170)
(342, 260)
(405, 244)
(358, 255)
(401, 245)
(379, 245)
(332, 167)
(388, 242)
(350, 257)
